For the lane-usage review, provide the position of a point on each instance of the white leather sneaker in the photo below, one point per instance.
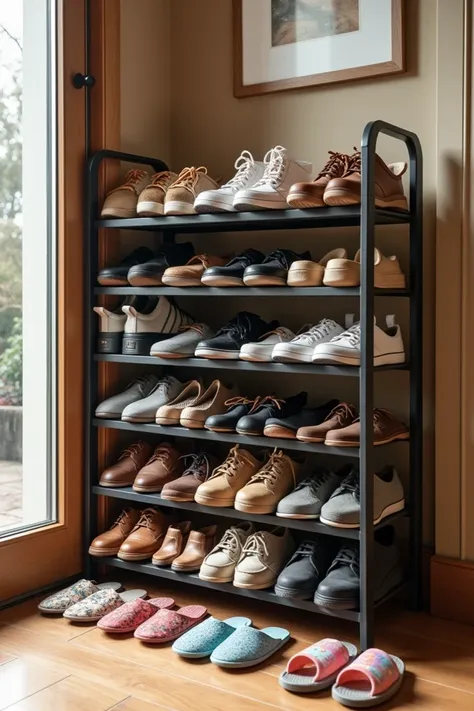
(261, 351)
(219, 565)
(271, 191)
(344, 349)
(143, 330)
(301, 348)
(249, 171)
(263, 556)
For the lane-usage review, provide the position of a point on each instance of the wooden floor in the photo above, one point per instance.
(49, 664)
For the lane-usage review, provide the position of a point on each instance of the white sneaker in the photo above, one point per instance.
(219, 565)
(345, 348)
(301, 348)
(271, 191)
(143, 330)
(261, 351)
(249, 171)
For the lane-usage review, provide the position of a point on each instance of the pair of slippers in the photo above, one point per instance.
(152, 625)
(361, 681)
(232, 643)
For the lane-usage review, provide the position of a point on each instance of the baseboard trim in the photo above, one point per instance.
(452, 589)
(57, 585)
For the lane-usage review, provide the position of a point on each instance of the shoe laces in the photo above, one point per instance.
(121, 519)
(132, 178)
(165, 384)
(189, 177)
(354, 164)
(243, 165)
(349, 485)
(316, 333)
(230, 542)
(275, 163)
(256, 544)
(146, 520)
(379, 418)
(230, 466)
(352, 335)
(317, 479)
(347, 556)
(306, 549)
(160, 180)
(199, 465)
(142, 380)
(198, 327)
(271, 472)
(239, 400)
(133, 451)
(336, 165)
(267, 401)
(281, 256)
(245, 259)
(343, 413)
(161, 454)
(238, 326)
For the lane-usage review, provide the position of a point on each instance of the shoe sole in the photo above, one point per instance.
(222, 281)
(388, 511)
(255, 586)
(191, 424)
(278, 431)
(120, 213)
(138, 420)
(209, 501)
(181, 281)
(255, 358)
(211, 354)
(215, 580)
(106, 485)
(348, 275)
(301, 277)
(150, 209)
(248, 508)
(303, 200)
(334, 603)
(147, 490)
(292, 593)
(396, 358)
(251, 204)
(176, 497)
(133, 556)
(170, 356)
(178, 207)
(262, 280)
(219, 429)
(108, 415)
(144, 280)
(251, 434)
(111, 281)
(354, 443)
(167, 421)
(313, 440)
(289, 355)
(298, 516)
(104, 553)
(205, 207)
(335, 197)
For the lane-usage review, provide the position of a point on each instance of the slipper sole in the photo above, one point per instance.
(251, 662)
(375, 700)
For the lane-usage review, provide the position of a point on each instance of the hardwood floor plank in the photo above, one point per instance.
(132, 704)
(5, 658)
(26, 616)
(71, 693)
(20, 678)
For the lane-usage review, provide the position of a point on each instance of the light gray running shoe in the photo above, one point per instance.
(112, 408)
(310, 494)
(184, 343)
(145, 410)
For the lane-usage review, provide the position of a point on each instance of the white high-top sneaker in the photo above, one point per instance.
(109, 338)
(249, 171)
(271, 191)
(142, 330)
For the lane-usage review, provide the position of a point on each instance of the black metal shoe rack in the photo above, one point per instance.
(368, 217)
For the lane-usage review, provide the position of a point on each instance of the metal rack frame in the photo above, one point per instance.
(367, 216)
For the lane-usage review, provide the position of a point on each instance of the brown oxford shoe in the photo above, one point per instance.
(126, 468)
(146, 537)
(164, 465)
(109, 542)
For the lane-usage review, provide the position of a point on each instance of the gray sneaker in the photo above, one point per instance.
(112, 408)
(343, 508)
(309, 496)
(145, 410)
(184, 343)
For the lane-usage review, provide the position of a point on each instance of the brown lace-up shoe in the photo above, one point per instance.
(386, 429)
(346, 189)
(341, 416)
(146, 537)
(109, 542)
(311, 194)
(199, 544)
(224, 483)
(164, 465)
(198, 471)
(188, 185)
(270, 484)
(173, 545)
(126, 468)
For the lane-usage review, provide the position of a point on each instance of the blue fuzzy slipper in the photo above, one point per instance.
(247, 647)
(203, 639)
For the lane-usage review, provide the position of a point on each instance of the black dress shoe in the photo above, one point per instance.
(238, 407)
(151, 272)
(273, 271)
(243, 328)
(304, 571)
(117, 276)
(270, 406)
(232, 273)
(287, 427)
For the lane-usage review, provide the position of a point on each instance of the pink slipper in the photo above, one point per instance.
(131, 615)
(316, 667)
(371, 680)
(167, 625)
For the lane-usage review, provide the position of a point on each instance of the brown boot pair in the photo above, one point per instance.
(185, 549)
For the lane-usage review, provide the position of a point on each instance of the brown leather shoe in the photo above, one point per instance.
(199, 544)
(127, 466)
(199, 469)
(311, 194)
(265, 489)
(146, 537)
(386, 429)
(173, 545)
(164, 465)
(341, 416)
(346, 190)
(109, 542)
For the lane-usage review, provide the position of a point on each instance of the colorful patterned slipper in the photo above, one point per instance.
(203, 639)
(58, 603)
(100, 604)
(370, 680)
(316, 667)
(247, 647)
(167, 625)
(131, 615)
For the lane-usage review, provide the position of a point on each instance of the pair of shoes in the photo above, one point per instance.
(252, 268)
(144, 268)
(339, 184)
(195, 404)
(138, 324)
(336, 270)
(183, 548)
(135, 535)
(144, 468)
(141, 399)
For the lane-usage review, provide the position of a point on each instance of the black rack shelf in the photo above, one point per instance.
(247, 291)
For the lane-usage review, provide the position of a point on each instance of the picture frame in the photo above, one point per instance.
(281, 45)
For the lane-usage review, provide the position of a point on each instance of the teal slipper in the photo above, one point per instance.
(247, 647)
(203, 639)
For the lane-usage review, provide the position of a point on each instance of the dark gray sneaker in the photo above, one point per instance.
(309, 496)
(340, 589)
(305, 570)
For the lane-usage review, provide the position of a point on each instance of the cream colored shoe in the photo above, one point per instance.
(211, 402)
(122, 201)
(190, 183)
(269, 485)
(170, 414)
(226, 480)
(308, 273)
(346, 272)
(152, 199)
(219, 565)
(264, 555)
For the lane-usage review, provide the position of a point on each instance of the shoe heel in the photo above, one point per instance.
(109, 342)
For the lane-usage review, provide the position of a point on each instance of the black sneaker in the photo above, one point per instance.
(270, 406)
(243, 328)
(232, 273)
(273, 271)
(117, 276)
(287, 427)
(169, 255)
(238, 407)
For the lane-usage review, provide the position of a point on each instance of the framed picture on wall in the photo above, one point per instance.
(289, 44)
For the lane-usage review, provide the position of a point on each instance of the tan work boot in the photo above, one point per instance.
(122, 201)
(264, 555)
(224, 483)
(152, 199)
(346, 272)
(270, 484)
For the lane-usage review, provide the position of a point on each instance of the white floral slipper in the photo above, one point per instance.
(58, 603)
(94, 607)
